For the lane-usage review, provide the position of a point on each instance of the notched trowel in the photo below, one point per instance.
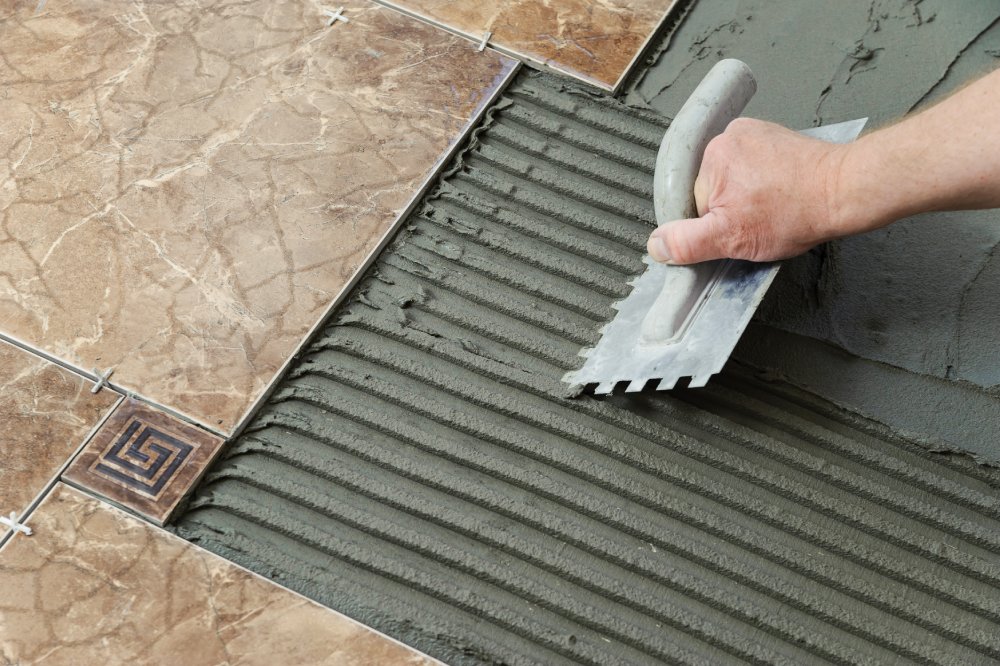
(685, 321)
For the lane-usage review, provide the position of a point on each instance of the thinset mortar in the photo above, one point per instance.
(417, 470)
(921, 296)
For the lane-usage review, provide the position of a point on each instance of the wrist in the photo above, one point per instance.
(859, 190)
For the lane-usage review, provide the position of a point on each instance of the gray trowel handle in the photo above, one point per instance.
(718, 99)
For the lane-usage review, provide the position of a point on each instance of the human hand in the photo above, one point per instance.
(763, 193)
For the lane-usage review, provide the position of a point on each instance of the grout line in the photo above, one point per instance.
(644, 50)
(55, 478)
(117, 388)
(435, 173)
(477, 39)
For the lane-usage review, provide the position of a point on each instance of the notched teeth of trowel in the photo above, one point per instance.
(605, 388)
(700, 381)
(635, 386)
(667, 384)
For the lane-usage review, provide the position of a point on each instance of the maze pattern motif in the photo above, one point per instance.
(143, 458)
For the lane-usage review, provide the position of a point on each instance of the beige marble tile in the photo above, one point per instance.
(144, 459)
(595, 40)
(94, 585)
(185, 187)
(46, 414)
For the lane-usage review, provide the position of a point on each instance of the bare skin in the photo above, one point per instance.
(765, 192)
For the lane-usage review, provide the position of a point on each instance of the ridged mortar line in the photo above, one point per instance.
(417, 608)
(543, 354)
(520, 139)
(497, 608)
(519, 191)
(522, 279)
(639, 126)
(686, 516)
(719, 602)
(635, 155)
(758, 655)
(512, 246)
(501, 299)
(834, 509)
(872, 485)
(554, 186)
(903, 460)
(468, 201)
(721, 495)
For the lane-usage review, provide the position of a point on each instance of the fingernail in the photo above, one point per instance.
(658, 249)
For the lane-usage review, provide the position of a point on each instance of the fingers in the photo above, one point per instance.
(686, 241)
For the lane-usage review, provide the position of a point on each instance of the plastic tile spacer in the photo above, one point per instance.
(335, 15)
(102, 379)
(12, 523)
(485, 41)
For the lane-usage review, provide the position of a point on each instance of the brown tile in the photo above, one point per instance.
(144, 459)
(94, 585)
(184, 188)
(593, 40)
(45, 415)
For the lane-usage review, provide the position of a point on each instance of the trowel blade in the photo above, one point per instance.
(719, 316)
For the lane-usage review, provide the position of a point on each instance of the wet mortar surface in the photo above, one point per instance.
(920, 295)
(418, 469)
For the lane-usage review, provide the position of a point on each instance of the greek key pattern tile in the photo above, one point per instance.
(144, 460)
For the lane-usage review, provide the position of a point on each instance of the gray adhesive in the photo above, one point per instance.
(922, 295)
(417, 470)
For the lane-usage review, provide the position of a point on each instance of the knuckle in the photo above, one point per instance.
(716, 149)
(740, 125)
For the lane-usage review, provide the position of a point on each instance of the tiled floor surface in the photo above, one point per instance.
(46, 413)
(183, 193)
(94, 585)
(594, 41)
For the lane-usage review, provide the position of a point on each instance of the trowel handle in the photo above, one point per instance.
(718, 99)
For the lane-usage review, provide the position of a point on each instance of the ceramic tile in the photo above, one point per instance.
(595, 41)
(94, 585)
(184, 188)
(46, 413)
(144, 459)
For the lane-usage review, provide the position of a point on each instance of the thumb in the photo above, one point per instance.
(687, 241)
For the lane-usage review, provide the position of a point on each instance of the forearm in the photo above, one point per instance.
(944, 158)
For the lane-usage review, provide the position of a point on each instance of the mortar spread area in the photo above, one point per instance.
(418, 469)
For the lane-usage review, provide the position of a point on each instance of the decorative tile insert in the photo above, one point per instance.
(94, 585)
(144, 459)
(594, 40)
(186, 187)
(46, 413)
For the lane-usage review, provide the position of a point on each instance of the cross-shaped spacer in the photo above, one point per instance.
(336, 15)
(102, 379)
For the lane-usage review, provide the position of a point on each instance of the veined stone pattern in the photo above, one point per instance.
(594, 41)
(185, 187)
(94, 585)
(46, 413)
